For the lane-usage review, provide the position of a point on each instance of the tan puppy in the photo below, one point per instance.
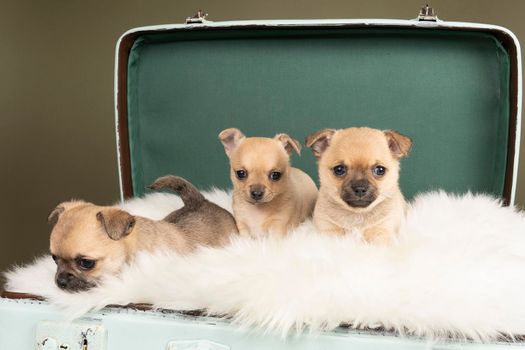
(269, 196)
(359, 172)
(89, 242)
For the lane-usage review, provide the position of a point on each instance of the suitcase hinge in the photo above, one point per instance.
(199, 17)
(427, 14)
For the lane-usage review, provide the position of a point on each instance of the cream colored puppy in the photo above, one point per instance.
(269, 196)
(359, 172)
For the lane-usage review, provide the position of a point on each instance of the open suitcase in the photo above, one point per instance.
(454, 88)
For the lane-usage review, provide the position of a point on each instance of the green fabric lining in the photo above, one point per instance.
(447, 90)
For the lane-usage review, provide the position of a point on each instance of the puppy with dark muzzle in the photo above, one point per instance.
(269, 196)
(89, 242)
(359, 172)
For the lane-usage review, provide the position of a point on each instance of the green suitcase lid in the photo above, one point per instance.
(452, 87)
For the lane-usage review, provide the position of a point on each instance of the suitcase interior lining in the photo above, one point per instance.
(447, 90)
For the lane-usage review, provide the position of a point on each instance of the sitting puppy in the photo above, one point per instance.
(89, 242)
(269, 196)
(359, 172)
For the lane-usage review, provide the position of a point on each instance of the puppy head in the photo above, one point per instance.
(358, 166)
(260, 166)
(87, 243)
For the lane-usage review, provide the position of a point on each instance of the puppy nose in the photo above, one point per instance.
(257, 191)
(360, 190)
(257, 194)
(63, 280)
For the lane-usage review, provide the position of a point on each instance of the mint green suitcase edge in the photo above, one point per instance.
(127, 329)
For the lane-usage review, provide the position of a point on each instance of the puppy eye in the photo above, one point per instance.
(339, 170)
(241, 174)
(86, 264)
(55, 258)
(275, 175)
(379, 170)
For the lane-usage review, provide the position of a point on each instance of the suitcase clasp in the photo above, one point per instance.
(427, 13)
(62, 335)
(199, 17)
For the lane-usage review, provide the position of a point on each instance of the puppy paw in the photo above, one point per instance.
(378, 236)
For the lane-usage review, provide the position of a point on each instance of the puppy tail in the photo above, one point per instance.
(189, 194)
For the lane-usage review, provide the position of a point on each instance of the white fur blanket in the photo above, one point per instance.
(458, 271)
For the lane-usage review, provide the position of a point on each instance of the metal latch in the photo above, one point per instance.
(427, 14)
(56, 335)
(199, 17)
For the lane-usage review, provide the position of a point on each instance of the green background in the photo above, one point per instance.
(57, 137)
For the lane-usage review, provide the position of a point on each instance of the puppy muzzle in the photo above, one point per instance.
(71, 283)
(257, 194)
(358, 193)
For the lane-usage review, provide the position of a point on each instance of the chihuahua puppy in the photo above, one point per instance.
(89, 242)
(359, 172)
(269, 196)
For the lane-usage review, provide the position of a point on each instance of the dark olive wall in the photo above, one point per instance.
(56, 91)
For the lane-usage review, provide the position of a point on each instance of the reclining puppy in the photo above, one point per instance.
(269, 196)
(89, 242)
(359, 172)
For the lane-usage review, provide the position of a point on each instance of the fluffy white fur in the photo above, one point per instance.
(459, 270)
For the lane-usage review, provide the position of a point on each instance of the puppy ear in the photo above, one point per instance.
(60, 209)
(52, 219)
(116, 222)
(289, 144)
(230, 139)
(319, 141)
(399, 144)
